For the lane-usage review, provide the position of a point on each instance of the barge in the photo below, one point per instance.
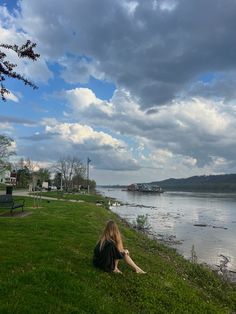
(144, 187)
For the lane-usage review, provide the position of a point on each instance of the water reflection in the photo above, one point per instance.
(176, 213)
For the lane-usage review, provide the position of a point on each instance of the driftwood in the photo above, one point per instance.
(215, 227)
(205, 225)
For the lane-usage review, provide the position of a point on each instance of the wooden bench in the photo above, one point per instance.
(7, 202)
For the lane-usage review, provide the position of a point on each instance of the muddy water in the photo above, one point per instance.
(184, 219)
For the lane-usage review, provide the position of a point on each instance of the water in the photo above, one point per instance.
(175, 214)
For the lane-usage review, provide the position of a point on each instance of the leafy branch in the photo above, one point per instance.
(7, 68)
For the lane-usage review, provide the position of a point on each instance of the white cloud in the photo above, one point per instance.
(12, 97)
(71, 139)
(6, 19)
(154, 52)
(36, 71)
(6, 126)
(195, 129)
(82, 134)
(82, 99)
(160, 157)
(189, 161)
(219, 161)
(203, 114)
(154, 49)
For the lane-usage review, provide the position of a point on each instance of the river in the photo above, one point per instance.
(173, 217)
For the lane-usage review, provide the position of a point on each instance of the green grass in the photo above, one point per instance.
(46, 267)
(92, 198)
(2, 186)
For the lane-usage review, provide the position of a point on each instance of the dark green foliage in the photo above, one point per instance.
(23, 177)
(43, 174)
(46, 268)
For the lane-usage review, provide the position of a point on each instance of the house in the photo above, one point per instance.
(7, 177)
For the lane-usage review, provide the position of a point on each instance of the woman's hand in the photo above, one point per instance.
(126, 252)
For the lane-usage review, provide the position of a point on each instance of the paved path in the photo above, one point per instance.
(26, 193)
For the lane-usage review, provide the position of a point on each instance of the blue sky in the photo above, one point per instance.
(146, 89)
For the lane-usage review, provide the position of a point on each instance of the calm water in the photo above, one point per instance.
(175, 213)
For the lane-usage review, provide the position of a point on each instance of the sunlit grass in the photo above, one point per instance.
(46, 268)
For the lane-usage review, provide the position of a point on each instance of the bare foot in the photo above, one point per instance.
(140, 271)
(117, 271)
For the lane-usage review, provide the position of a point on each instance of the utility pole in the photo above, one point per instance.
(88, 162)
(61, 188)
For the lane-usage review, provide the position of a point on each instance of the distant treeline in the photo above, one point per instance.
(212, 183)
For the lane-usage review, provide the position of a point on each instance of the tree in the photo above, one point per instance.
(58, 180)
(32, 168)
(33, 172)
(92, 185)
(70, 167)
(79, 180)
(23, 177)
(5, 151)
(7, 68)
(43, 174)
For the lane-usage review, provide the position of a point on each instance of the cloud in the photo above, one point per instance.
(215, 86)
(76, 70)
(12, 97)
(6, 126)
(153, 49)
(37, 137)
(105, 151)
(173, 65)
(195, 129)
(11, 35)
(17, 120)
(83, 134)
(81, 98)
(166, 5)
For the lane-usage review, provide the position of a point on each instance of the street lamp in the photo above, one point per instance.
(88, 162)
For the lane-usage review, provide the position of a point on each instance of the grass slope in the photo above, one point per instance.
(91, 198)
(46, 267)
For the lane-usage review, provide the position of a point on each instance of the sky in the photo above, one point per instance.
(145, 89)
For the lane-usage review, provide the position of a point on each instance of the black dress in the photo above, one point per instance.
(105, 258)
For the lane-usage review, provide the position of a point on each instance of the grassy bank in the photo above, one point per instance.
(46, 268)
(91, 198)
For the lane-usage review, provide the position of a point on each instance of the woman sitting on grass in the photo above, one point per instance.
(109, 250)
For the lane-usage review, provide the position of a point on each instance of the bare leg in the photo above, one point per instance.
(116, 270)
(132, 264)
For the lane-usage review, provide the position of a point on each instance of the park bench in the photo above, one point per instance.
(7, 202)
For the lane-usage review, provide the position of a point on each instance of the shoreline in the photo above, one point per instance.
(220, 270)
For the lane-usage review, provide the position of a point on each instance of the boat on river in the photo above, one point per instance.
(144, 187)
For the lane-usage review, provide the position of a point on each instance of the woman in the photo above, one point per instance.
(109, 250)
